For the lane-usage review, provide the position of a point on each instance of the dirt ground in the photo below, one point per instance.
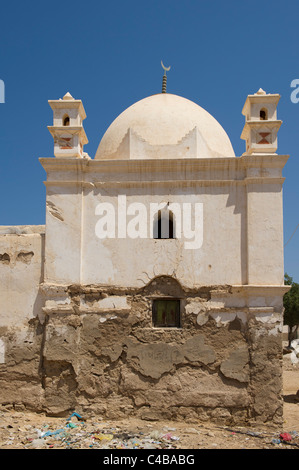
(19, 430)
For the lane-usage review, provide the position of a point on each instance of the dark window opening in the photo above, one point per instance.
(166, 313)
(263, 115)
(164, 225)
(66, 121)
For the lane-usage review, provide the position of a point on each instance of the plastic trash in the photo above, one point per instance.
(155, 435)
(77, 416)
(170, 437)
(103, 437)
(52, 433)
(71, 425)
(275, 441)
(39, 433)
(285, 436)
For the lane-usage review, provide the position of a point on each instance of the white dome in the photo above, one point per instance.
(164, 126)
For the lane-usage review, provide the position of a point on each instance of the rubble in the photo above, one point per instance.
(33, 431)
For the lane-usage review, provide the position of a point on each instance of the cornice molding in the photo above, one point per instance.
(87, 165)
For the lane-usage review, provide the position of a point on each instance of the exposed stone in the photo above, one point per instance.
(195, 350)
(202, 318)
(153, 359)
(236, 366)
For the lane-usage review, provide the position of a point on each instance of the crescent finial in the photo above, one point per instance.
(166, 69)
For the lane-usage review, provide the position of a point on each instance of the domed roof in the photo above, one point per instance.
(164, 126)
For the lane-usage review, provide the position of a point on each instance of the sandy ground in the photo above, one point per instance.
(20, 430)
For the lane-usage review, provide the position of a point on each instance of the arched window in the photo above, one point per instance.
(66, 120)
(263, 114)
(164, 224)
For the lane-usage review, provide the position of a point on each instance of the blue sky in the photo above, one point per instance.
(108, 54)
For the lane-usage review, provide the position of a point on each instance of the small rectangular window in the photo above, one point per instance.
(166, 313)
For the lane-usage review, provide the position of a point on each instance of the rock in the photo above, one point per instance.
(192, 431)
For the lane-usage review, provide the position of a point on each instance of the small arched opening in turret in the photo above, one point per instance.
(263, 114)
(66, 120)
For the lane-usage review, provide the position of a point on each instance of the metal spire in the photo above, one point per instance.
(164, 82)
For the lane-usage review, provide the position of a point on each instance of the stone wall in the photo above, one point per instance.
(94, 350)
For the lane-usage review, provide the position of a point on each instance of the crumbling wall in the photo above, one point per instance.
(94, 350)
(21, 333)
(101, 353)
